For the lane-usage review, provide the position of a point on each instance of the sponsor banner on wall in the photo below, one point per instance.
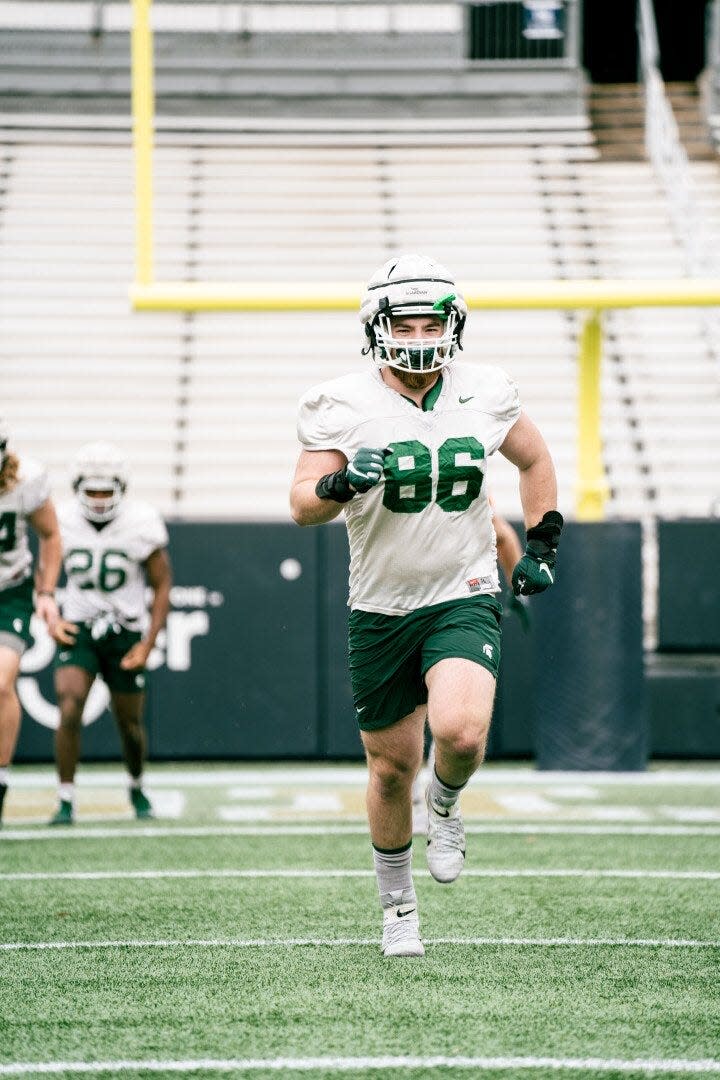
(234, 674)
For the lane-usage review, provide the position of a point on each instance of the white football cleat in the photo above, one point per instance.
(401, 930)
(445, 841)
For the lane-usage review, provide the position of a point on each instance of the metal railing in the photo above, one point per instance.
(669, 158)
(667, 153)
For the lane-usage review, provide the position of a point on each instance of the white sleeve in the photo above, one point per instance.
(36, 490)
(504, 405)
(323, 423)
(152, 534)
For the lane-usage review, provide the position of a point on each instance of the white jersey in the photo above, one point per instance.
(30, 492)
(104, 566)
(424, 534)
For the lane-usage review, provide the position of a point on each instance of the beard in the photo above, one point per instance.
(415, 380)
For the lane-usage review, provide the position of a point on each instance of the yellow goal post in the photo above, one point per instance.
(591, 296)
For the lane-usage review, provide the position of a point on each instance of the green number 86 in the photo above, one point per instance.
(408, 475)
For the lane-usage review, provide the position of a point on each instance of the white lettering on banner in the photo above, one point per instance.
(183, 626)
(43, 650)
(48, 715)
(173, 648)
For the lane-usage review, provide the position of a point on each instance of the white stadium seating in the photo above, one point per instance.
(205, 404)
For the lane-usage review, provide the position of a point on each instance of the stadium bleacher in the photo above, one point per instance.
(204, 400)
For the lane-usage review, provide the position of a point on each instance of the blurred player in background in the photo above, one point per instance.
(24, 500)
(403, 450)
(114, 547)
(509, 554)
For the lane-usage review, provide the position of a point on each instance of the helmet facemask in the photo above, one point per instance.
(99, 508)
(99, 478)
(419, 354)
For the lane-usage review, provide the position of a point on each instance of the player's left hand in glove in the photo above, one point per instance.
(536, 570)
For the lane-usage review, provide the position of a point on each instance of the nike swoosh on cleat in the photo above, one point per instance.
(402, 914)
(546, 568)
(440, 813)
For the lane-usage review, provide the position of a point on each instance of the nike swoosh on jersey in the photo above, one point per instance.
(464, 400)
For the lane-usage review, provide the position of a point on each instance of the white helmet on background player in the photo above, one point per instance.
(412, 285)
(99, 467)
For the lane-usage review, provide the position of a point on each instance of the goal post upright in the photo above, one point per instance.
(143, 115)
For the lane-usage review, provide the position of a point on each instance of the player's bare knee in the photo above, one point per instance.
(71, 710)
(7, 690)
(463, 744)
(391, 775)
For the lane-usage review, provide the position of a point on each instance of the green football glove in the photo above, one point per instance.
(536, 570)
(359, 475)
(519, 606)
(365, 469)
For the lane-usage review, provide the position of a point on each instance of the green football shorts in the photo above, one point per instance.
(16, 610)
(389, 654)
(103, 657)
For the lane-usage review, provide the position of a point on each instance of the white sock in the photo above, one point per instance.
(442, 796)
(5, 774)
(135, 782)
(66, 792)
(394, 876)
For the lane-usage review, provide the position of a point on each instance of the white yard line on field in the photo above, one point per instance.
(481, 829)
(319, 874)
(366, 1064)
(356, 775)
(333, 943)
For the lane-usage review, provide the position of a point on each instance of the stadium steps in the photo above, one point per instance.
(617, 112)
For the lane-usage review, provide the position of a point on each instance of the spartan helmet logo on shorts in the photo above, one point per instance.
(99, 479)
(410, 286)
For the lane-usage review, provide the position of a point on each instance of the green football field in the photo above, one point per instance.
(238, 934)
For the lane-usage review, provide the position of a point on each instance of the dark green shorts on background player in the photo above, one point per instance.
(103, 655)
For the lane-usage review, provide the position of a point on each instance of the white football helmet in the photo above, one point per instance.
(99, 466)
(412, 285)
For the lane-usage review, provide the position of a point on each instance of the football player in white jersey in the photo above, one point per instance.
(24, 500)
(402, 449)
(114, 547)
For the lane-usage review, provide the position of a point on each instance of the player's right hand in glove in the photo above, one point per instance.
(360, 474)
(536, 570)
(365, 469)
